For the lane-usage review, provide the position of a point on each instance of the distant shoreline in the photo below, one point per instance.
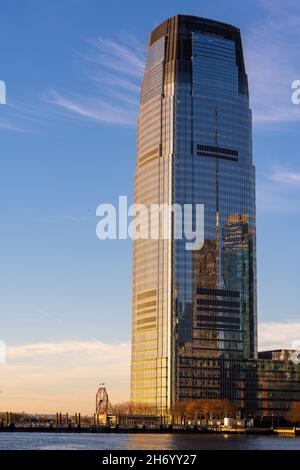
(282, 432)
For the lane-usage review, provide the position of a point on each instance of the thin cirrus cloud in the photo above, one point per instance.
(126, 58)
(114, 68)
(22, 115)
(8, 125)
(270, 56)
(279, 191)
(16, 116)
(92, 108)
(270, 48)
(271, 52)
(115, 77)
(286, 176)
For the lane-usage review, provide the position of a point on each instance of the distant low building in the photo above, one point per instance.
(272, 383)
(277, 354)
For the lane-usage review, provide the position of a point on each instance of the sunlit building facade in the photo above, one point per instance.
(194, 311)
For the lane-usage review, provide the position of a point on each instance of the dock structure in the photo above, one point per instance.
(292, 432)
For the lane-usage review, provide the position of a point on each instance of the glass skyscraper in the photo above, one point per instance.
(194, 311)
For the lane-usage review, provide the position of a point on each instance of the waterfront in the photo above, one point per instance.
(64, 441)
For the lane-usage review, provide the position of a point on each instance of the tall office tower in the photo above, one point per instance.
(194, 311)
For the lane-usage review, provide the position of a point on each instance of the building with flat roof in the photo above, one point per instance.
(194, 316)
(194, 312)
(272, 383)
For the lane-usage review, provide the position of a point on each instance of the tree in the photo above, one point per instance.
(180, 411)
(131, 408)
(193, 410)
(123, 408)
(293, 414)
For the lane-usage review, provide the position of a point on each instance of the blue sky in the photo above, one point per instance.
(72, 70)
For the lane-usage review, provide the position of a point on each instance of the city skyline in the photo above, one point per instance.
(52, 257)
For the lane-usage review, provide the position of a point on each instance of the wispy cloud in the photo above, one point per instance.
(278, 191)
(278, 335)
(22, 115)
(92, 108)
(125, 58)
(63, 376)
(115, 82)
(270, 198)
(287, 177)
(49, 315)
(14, 117)
(113, 68)
(114, 74)
(271, 51)
(271, 62)
(94, 349)
(10, 127)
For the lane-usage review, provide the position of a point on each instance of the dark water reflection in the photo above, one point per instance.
(143, 441)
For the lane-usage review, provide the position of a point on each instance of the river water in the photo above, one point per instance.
(57, 441)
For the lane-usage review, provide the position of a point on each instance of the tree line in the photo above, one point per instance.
(194, 410)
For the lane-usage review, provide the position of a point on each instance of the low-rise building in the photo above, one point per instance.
(272, 383)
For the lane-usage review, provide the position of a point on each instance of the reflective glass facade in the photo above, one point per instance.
(272, 383)
(194, 312)
(152, 258)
